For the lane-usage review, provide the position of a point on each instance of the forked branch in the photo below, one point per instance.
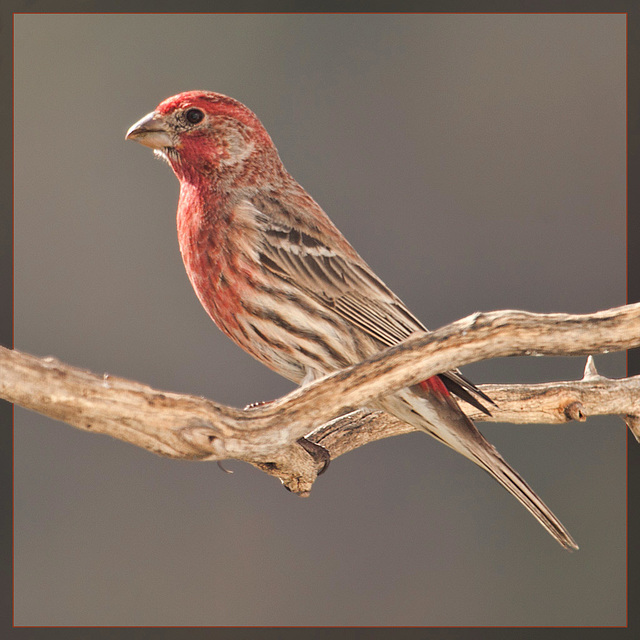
(190, 427)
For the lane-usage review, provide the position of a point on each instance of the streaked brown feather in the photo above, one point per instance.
(347, 286)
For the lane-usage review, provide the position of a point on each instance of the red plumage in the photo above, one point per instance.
(278, 278)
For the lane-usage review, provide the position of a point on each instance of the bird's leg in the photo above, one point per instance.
(316, 451)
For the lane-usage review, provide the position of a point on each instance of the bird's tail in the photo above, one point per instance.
(434, 410)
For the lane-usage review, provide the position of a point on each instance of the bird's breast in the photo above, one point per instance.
(212, 274)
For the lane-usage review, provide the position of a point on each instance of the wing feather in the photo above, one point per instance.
(346, 286)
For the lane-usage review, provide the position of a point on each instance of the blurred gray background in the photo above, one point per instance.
(476, 161)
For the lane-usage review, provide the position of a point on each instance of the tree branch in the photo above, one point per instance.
(548, 403)
(190, 427)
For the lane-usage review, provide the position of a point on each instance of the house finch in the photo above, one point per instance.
(275, 274)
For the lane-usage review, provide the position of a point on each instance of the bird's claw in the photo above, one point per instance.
(255, 405)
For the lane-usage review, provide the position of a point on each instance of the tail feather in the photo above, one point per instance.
(434, 410)
(494, 464)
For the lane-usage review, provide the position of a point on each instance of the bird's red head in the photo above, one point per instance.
(204, 136)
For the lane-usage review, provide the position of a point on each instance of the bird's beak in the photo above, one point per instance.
(151, 131)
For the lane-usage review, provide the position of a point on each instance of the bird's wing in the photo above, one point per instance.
(345, 284)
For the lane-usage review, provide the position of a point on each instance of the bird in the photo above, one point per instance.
(277, 276)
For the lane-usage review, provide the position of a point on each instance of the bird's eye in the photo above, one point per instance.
(194, 116)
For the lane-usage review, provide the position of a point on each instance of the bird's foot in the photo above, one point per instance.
(255, 405)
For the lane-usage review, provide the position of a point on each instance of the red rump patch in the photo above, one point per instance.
(435, 384)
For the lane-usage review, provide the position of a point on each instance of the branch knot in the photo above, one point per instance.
(575, 411)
